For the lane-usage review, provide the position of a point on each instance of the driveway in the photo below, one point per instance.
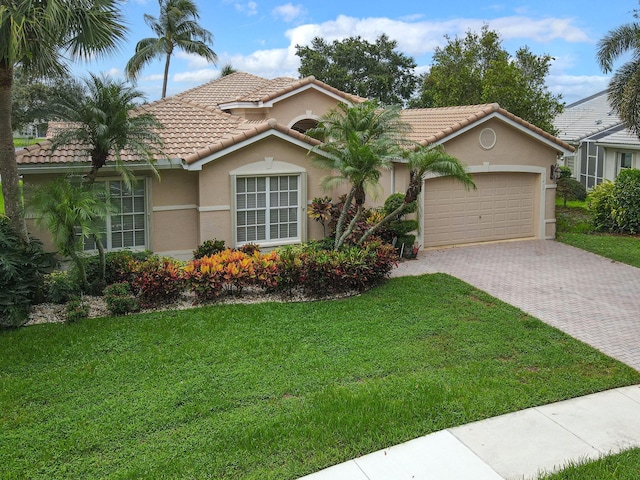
(591, 298)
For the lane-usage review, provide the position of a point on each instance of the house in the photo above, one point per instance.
(603, 145)
(239, 169)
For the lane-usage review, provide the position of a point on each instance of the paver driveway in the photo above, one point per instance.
(591, 298)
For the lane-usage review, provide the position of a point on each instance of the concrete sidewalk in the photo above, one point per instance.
(518, 445)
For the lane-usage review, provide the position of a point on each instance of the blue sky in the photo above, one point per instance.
(259, 36)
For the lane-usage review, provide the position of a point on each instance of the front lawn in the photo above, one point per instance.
(573, 228)
(276, 390)
(622, 466)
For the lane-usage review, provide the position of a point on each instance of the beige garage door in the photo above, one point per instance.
(501, 208)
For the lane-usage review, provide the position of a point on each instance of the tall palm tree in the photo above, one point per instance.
(420, 162)
(105, 123)
(358, 141)
(624, 88)
(38, 36)
(71, 213)
(176, 27)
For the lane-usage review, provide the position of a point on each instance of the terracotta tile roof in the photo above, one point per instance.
(195, 126)
(430, 125)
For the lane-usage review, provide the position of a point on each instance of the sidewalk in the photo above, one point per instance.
(518, 445)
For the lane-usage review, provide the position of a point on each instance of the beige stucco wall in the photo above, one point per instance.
(214, 185)
(307, 104)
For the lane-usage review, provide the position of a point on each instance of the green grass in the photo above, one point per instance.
(276, 391)
(573, 228)
(25, 142)
(622, 466)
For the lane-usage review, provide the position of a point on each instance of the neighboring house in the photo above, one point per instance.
(240, 170)
(603, 145)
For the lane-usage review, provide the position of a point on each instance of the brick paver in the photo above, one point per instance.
(591, 298)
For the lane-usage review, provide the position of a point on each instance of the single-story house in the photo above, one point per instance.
(603, 145)
(240, 170)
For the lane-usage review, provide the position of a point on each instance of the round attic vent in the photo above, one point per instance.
(488, 138)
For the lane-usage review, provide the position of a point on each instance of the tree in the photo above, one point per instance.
(37, 36)
(420, 162)
(105, 123)
(176, 27)
(370, 70)
(359, 141)
(71, 213)
(476, 69)
(624, 88)
(227, 69)
(33, 98)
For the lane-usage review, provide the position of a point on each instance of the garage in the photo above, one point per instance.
(503, 207)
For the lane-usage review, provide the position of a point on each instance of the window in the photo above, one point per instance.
(591, 164)
(625, 160)
(127, 227)
(267, 209)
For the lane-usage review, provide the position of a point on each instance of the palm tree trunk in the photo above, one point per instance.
(342, 218)
(166, 75)
(350, 227)
(8, 166)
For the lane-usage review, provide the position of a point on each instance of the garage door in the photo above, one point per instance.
(501, 208)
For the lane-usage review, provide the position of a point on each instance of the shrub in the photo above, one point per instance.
(120, 266)
(229, 269)
(22, 270)
(351, 268)
(208, 248)
(601, 204)
(570, 189)
(250, 248)
(266, 268)
(158, 281)
(626, 198)
(394, 201)
(60, 287)
(120, 300)
(289, 263)
(76, 309)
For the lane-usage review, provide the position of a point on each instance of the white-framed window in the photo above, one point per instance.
(591, 164)
(268, 209)
(625, 160)
(127, 227)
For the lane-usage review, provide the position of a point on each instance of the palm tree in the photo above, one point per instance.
(38, 36)
(105, 122)
(71, 213)
(359, 141)
(420, 162)
(176, 27)
(624, 88)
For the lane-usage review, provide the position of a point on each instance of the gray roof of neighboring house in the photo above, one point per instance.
(619, 136)
(585, 118)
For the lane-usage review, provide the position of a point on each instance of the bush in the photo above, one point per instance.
(250, 248)
(626, 198)
(349, 269)
(570, 189)
(158, 281)
(615, 207)
(76, 309)
(230, 270)
(600, 202)
(119, 267)
(22, 270)
(60, 287)
(289, 263)
(394, 201)
(208, 248)
(120, 300)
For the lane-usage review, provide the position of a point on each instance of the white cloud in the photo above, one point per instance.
(289, 12)
(248, 8)
(576, 87)
(196, 76)
(153, 78)
(193, 60)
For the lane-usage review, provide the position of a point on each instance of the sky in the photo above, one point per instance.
(260, 36)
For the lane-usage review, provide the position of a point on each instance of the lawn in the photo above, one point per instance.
(623, 466)
(276, 390)
(574, 229)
